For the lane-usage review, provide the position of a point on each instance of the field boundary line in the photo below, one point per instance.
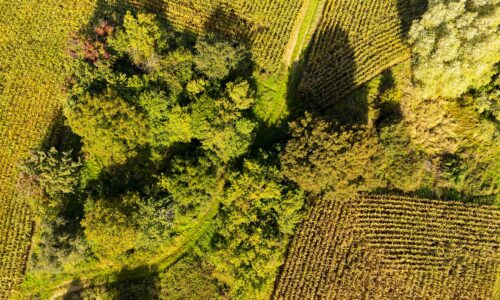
(304, 27)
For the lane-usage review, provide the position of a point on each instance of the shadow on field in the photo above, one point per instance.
(224, 22)
(409, 11)
(116, 10)
(125, 288)
(329, 70)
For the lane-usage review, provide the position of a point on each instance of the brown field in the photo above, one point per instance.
(393, 248)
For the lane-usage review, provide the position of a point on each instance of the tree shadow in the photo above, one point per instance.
(114, 11)
(131, 284)
(73, 290)
(328, 72)
(135, 174)
(225, 22)
(409, 11)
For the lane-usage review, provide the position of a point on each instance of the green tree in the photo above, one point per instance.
(142, 39)
(112, 129)
(217, 59)
(190, 181)
(168, 122)
(224, 125)
(455, 46)
(47, 177)
(189, 278)
(117, 227)
(259, 212)
(322, 156)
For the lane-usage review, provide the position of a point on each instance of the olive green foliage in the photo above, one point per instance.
(322, 156)
(190, 182)
(461, 144)
(121, 226)
(140, 86)
(50, 180)
(168, 122)
(221, 124)
(113, 130)
(487, 98)
(190, 278)
(159, 115)
(142, 39)
(259, 212)
(216, 60)
(455, 46)
(47, 177)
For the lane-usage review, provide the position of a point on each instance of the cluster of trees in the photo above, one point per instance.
(455, 46)
(161, 128)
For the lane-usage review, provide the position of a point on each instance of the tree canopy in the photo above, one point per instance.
(455, 46)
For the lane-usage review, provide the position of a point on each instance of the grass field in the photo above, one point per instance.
(378, 247)
(355, 41)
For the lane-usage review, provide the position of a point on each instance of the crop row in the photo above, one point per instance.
(354, 42)
(265, 26)
(33, 35)
(383, 247)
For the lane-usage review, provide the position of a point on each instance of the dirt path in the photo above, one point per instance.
(304, 28)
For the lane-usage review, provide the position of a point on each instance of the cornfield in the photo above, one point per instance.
(266, 26)
(378, 247)
(33, 36)
(355, 41)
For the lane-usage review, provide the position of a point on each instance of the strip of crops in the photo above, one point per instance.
(354, 42)
(33, 36)
(265, 25)
(393, 248)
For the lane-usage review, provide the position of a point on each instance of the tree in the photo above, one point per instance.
(190, 181)
(143, 89)
(259, 213)
(455, 46)
(322, 156)
(117, 227)
(189, 278)
(112, 129)
(168, 122)
(217, 59)
(142, 39)
(47, 177)
(224, 125)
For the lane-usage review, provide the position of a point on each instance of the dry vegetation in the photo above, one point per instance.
(393, 248)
